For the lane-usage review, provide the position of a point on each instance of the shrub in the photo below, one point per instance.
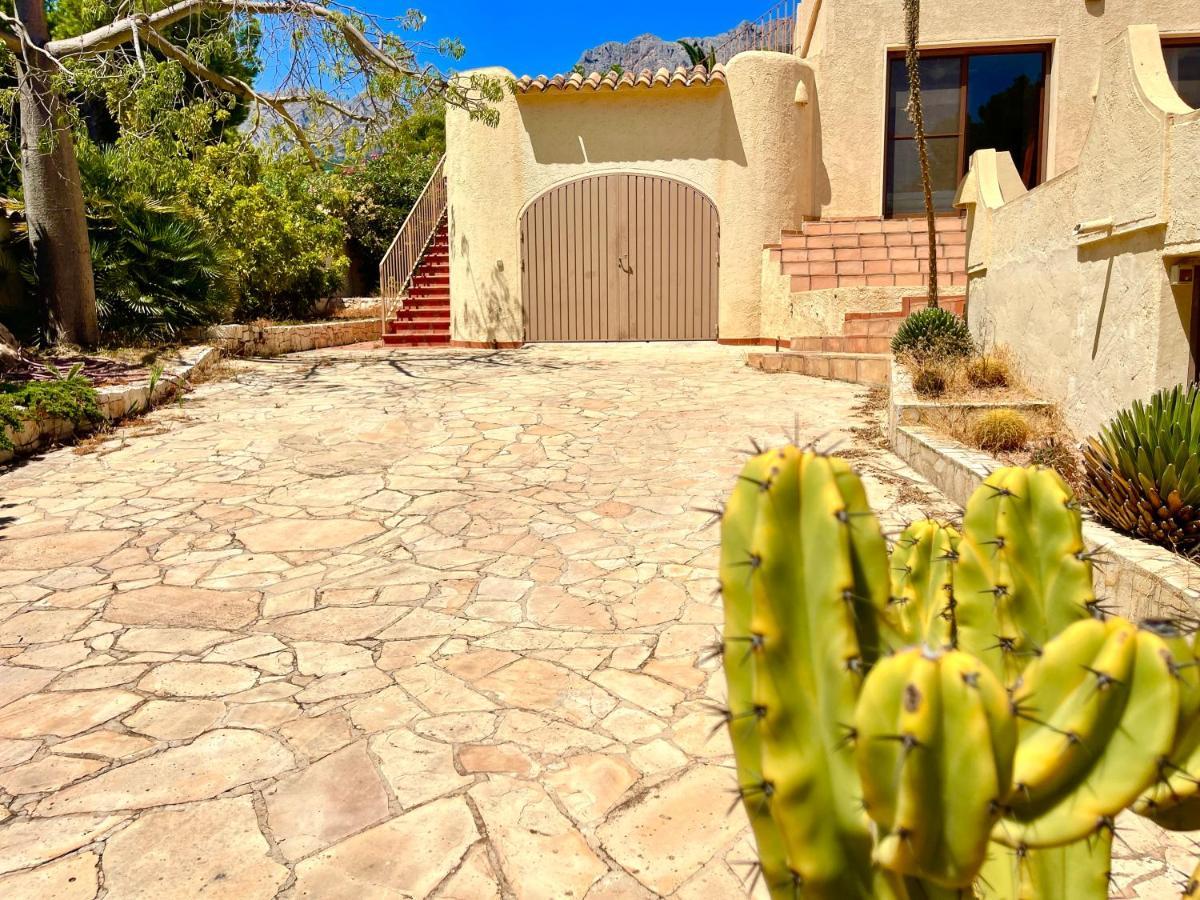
(1143, 470)
(72, 398)
(932, 333)
(988, 371)
(929, 380)
(1000, 429)
(1054, 454)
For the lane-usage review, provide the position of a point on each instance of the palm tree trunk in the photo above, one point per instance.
(54, 209)
(912, 30)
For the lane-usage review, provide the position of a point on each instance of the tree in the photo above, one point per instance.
(912, 61)
(337, 60)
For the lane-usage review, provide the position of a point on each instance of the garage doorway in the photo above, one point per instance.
(620, 257)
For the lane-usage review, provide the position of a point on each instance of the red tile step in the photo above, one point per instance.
(856, 368)
(423, 317)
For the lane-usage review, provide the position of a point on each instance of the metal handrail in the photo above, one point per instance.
(773, 30)
(404, 255)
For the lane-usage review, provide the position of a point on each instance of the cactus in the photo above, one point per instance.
(1098, 713)
(1023, 573)
(1173, 802)
(829, 730)
(1000, 429)
(933, 333)
(920, 715)
(802, 597)
(922, 598)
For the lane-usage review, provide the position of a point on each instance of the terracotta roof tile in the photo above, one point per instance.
(698, 76)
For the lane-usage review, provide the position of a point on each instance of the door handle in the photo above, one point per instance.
(623, 265)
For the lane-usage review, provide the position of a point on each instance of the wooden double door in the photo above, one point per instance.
(620, 257)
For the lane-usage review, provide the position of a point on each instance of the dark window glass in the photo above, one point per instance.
(971, 102)
(1183, 65)
(905, 195)
(941, 85)
(1004, 107)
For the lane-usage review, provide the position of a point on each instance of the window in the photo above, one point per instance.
(1183, 65)
(972, 100)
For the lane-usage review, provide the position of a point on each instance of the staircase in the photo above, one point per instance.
(423, 317)
(861, 354)
(414, 276)
(871, 252)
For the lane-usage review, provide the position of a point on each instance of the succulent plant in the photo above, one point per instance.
(1000, 429)
(1143, 470)
(903, 725)
(933, 332)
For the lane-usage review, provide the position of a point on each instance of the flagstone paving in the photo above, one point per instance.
(359, 624)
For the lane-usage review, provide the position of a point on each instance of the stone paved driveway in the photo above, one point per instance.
(366, 625)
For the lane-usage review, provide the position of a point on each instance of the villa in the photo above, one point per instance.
(777, 200)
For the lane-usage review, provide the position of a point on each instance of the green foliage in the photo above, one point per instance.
(998, 430)
(283, 246)
(382, 189)
(1143, 469)
(72, 398)
(933, 332)
(827, 707)
(699, 55)
(157, 268)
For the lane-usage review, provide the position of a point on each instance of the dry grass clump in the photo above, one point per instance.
(1055, 453)
(1000, 429)
(988, 370)
(929, 379)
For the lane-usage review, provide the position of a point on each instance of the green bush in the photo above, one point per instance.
(72, 398)
(933, 332)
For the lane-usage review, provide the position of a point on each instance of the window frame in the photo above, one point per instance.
(1180, 40)
(965, 53)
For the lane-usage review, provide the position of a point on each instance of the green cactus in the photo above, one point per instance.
(1023, 572)
(827, 729)
(1098, 713)
(921, 604)
(1173, 802)
(920, 715)
(802, 598)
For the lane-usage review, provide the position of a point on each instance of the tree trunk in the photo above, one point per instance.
(54, 207)
(912, 29)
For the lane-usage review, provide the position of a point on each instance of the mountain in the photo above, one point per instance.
(648, 51)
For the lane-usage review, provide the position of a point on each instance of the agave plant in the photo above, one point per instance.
(1143, 470)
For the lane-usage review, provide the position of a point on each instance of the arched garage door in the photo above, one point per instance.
(620, 258)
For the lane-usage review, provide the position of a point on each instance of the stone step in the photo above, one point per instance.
(857, 368)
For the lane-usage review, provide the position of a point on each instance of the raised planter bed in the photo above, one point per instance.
(276, 340)
(116, 402)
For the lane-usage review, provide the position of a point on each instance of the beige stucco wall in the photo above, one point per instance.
(745, 145)
(1093, 318)
(848, 50)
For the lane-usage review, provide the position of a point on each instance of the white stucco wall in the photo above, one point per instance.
(850, 40)
(1093, 318)
(745, 145)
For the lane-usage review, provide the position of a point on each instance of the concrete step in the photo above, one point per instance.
(857, 368)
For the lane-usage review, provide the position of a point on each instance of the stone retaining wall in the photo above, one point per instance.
(115, 401)
(1138, 579)
(275, 340)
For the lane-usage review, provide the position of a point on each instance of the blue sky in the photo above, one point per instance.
(533, 37)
